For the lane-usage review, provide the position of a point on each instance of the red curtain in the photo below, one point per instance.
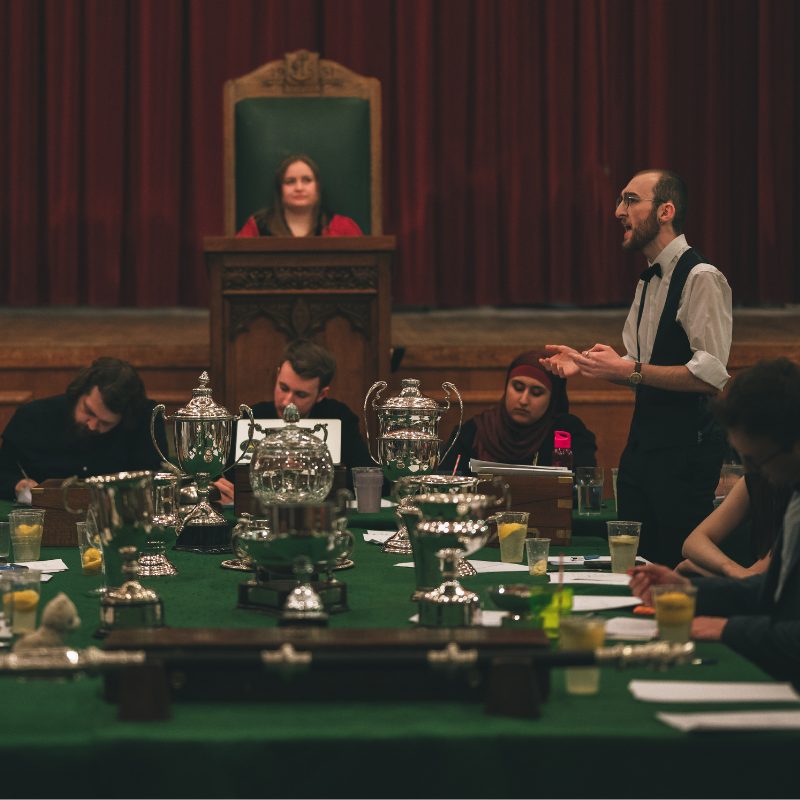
(509, 127)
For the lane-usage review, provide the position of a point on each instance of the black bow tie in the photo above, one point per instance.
(650, 271)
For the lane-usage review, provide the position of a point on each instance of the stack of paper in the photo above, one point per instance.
(496, 468)
(712, 692)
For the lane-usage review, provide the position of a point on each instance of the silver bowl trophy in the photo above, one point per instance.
(408, 437)
(445, 520)
(450, 605)
(122, 505)
(299, 541)
(202, 433)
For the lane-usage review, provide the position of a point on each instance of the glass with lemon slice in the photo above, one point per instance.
(674, 604)
(512, 530)
(21, 594)
(91, 550)
(27, 526)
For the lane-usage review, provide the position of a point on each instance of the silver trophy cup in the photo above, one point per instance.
(122, 504)
(408, 428)
(202, 432)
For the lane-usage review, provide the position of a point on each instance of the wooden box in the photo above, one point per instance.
(548, 500)
(59, 524)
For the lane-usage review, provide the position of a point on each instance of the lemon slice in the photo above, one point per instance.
(673, 608)
(92, 561)
(505, 529)
(29, 530)
(23, 600)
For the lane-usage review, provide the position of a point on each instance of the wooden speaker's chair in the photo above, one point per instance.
(303, 104)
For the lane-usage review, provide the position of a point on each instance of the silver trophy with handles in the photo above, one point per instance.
(202, 432)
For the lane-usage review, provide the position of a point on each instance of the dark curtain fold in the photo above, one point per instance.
(509, 127)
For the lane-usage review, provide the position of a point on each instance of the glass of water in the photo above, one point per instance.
(590, 489)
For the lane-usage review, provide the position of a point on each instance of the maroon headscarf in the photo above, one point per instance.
(499, 437)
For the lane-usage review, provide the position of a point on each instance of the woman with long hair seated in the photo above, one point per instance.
(297, 208)
(753, 498)
(521, 427)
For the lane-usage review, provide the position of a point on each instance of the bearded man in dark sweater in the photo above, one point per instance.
(100, 425)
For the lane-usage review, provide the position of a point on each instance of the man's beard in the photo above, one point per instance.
(644, 234)
(80, 433)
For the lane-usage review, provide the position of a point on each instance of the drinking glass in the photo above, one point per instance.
(590, 489)
(93, 565)
(512, 529)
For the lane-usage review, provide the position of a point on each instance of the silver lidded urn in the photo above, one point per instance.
(408, 428)
(202, 432)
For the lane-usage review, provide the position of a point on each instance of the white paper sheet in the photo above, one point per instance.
(50, 565)
(484, 566)
(631, 629)
(496, 468)
(712, 692)
(599, 602)
(581, 561)
(733, 721)
(597, 578)
(384, 503)
(489, 619)
(378, 537)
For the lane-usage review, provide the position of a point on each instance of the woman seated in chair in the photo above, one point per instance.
(297, 208)
(751, 496)
(520, 428)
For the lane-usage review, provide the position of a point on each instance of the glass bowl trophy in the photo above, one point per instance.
(292, 465)
(202, 432)
(408, 438)
(291, 473)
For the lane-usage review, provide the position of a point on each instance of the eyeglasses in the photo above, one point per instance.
(629, 199)
(751, 465)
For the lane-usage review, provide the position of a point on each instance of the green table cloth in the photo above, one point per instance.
(63, 739)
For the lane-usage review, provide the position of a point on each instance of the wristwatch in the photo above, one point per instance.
(635, 378)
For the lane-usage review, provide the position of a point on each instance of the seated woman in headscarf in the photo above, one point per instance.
(521, 427)
(297, 206)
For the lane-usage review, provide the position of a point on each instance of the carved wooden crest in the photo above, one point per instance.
(301, 72)
(301, 317)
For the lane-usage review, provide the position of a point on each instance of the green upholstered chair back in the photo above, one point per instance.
(303, 104)
(334, 131)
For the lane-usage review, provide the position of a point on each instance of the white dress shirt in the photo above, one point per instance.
(704, 312)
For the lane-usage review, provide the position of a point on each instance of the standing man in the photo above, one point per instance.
(100, 425)
(304, 378)
(677, 339)
(758, 616)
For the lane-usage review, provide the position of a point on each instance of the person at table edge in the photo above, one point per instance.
(100, 425)
(677, 338)
(304, 376)
(297, 208)
(757, 616)
(521, 427)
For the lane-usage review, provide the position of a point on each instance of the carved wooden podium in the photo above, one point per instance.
(267, 291)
